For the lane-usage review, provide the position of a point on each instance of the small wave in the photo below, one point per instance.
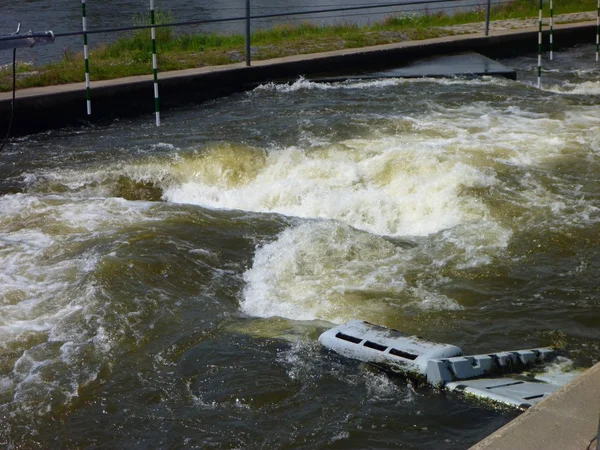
(51, 315)
(568, 88)
(358, 83)
(329, 271)
(383, 186)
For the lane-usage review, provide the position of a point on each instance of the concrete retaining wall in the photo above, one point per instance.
(40, 109)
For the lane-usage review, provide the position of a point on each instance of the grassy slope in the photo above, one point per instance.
(131, 55)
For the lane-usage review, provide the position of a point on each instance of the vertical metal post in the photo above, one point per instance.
(86, 58)
(154, 64)
(248, 55)
(551, 31)
(539, 83)
(487, 17)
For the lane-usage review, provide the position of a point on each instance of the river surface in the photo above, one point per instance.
(65, 16)
(165, 287)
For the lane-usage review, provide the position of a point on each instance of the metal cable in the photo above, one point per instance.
(256, 17)
(243, 18)
(408, 11)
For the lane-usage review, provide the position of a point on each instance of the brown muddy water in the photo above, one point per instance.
(165, 287)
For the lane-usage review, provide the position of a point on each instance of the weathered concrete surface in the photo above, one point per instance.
(441, 66)
(567, 420)
(40, 109)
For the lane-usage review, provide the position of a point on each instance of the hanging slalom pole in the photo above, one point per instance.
(539, 84)
(86, 58)
(155, 64)
(598, 31)
(551, 31)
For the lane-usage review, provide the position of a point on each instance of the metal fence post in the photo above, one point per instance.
(248, 55)
(487, 17)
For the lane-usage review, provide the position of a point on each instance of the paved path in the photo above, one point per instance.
(516, 24)
(567, 420)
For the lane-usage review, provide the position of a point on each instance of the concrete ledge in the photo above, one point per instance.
(39, 109)
(567, 420)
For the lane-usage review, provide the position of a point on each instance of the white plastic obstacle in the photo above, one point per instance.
(443, 365)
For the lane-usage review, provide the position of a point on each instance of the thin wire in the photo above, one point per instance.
(264, 16)
(242, 18)
(12, 105)
(408, 11)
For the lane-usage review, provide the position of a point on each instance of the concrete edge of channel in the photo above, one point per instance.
(40, 109)
(569, 419)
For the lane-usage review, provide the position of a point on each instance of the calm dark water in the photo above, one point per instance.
(65, 16)
(165, 288)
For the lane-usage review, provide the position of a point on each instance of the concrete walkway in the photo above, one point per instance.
(567, 420)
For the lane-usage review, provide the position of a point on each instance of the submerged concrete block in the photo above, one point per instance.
(506, 390)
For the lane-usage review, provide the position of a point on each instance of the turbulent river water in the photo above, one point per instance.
(165, 288)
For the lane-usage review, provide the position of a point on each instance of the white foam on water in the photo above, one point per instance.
(530, 144)
(422, 181)
(568, 88)
(304, 84)
(381, 387)
(414, 184)
(559, 372)
(50, 318)
(102, 180)
(326, 270)
(305, 364)
(388, 186)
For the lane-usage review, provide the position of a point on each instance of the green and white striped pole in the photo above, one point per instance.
(155, 65)
(539, 85)
(598, 31)
(86, 57)
(551, 31)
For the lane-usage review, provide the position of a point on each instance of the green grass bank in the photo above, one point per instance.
(131, 54)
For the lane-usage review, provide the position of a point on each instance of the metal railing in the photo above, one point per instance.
(248, 18)
(23, 40)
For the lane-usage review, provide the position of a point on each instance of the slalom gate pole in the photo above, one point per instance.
(155, 64)
(539, 82)
(86, 58)
(488, 7)
(598, 31)
(551, 31)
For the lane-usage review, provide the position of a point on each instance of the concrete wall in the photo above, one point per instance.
(40, 109)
